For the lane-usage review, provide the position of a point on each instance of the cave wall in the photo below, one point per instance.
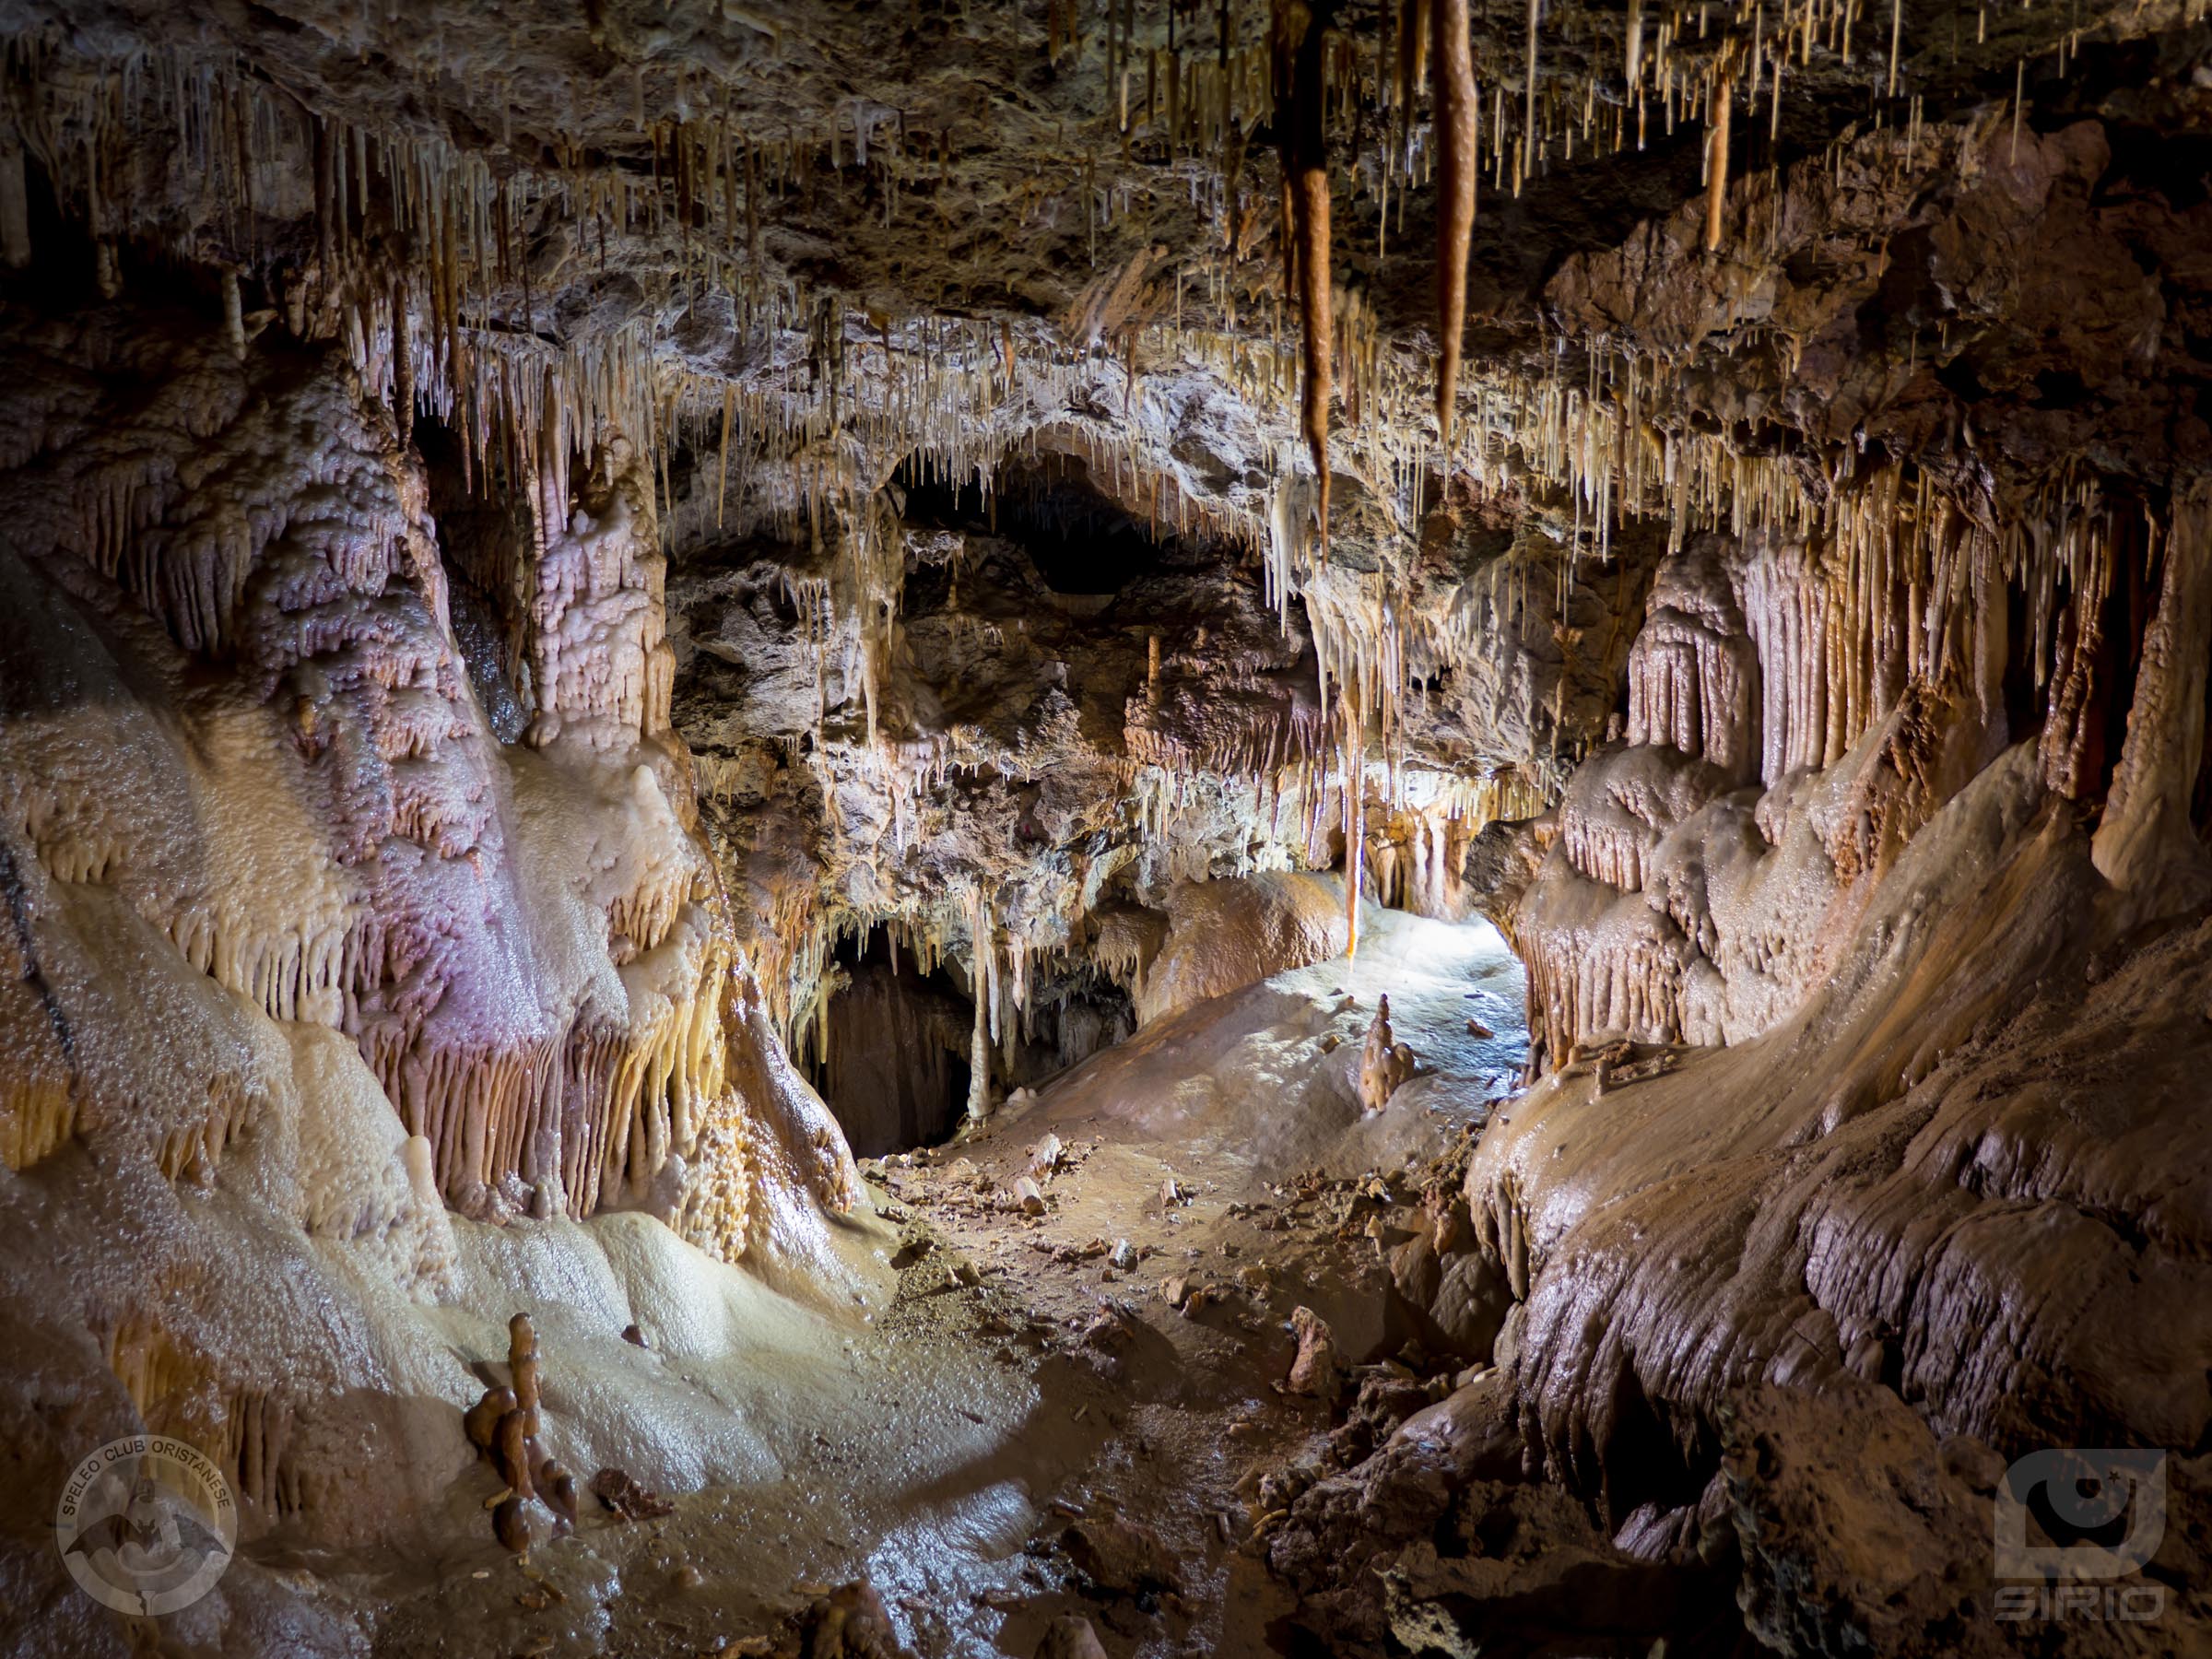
(317, 989)
(1855, 1011)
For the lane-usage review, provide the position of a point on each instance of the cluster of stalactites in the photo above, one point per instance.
(579, 1121)
(1004, 957)
(1778, 659)
(1895, 582)
(426, 263)
(1412, 857)
(428, 256)
(1680, 62)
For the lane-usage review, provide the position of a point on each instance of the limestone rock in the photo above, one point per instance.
(1119, 1556)
(1316, 1371)
(626, 1499)
(1070, 1636)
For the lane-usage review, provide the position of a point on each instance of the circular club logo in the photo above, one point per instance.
(146, 1525)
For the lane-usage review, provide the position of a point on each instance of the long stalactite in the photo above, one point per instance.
(1458, 127)
(1300, 38)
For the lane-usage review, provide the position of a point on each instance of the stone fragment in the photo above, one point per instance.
(848, 1623)
(1119, 1556)
(1470, 1304)
(1316, 1372)
(626, 1499)
(1070, 1636)
(1416, 1270)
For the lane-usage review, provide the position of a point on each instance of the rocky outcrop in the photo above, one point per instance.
(318, 988)
(526, 951)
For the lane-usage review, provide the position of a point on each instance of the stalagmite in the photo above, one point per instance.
(481, 1422)
(1384, 1062)
(522, 1360)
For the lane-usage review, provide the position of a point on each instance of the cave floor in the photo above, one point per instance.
(1012, 1390)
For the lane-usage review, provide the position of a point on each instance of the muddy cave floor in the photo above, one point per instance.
(989, 1379)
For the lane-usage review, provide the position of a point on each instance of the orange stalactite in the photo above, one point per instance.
(1458, 121)
(1301, 33)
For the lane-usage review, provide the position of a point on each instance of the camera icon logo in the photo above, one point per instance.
(2077, 1514)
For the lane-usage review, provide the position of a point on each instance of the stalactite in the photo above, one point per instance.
(1410, 58)
(1300, 37)
(1355, 818)
(1716, 164)
(1458, 123)
(1528, 118)
(39, 1105)
(15, 203)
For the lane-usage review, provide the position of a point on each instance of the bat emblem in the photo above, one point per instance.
(147, 1525)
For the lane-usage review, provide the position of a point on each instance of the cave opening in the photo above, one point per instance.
(898, 1066)
(1082, 542)
(1075, 1013)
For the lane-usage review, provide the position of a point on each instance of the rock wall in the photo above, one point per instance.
(1865, 976)
(316, 990)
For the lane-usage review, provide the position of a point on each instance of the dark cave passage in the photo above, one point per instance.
(897, 1072)
(1081, 542)
(899, 1065)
